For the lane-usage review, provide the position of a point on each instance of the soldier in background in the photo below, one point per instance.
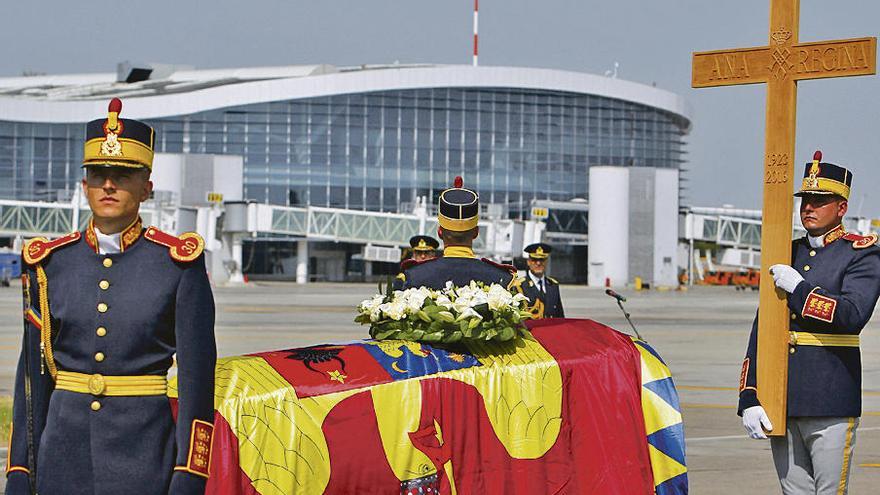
(832, 287)
(542, 290)
(459, 214)
(105, 311)
(424, 247)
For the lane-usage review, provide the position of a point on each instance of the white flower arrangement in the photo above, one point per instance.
(453, 314)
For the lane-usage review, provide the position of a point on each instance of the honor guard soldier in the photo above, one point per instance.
(832, 287)
(105, 311)
(458, 217)
(424, 247)
(542, 291)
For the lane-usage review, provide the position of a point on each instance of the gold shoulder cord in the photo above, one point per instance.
(46, 355)
(537, 309)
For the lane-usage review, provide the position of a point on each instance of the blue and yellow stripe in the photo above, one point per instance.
(663, 424)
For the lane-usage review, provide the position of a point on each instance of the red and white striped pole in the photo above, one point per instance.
(476, 26)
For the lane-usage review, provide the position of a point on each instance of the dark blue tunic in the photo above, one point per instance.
(550, 297)
(824, 381)
(459, 270)
(156, 307)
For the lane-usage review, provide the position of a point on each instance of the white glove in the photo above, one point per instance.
(753, 419)
(785, 277)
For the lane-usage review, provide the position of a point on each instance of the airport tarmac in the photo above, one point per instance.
(701, 333)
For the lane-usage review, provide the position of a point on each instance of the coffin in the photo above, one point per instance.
(579, 408)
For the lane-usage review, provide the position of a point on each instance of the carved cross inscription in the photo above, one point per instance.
(780, 65)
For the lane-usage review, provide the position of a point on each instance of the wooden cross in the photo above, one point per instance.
(780, 65)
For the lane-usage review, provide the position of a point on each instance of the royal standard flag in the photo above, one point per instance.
(576, 407)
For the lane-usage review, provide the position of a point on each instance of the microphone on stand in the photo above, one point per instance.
(615, 295)
(620, 300)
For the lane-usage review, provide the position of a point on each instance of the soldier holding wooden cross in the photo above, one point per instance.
(832, 287)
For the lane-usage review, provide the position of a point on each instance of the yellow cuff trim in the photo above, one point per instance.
(190, 471)
(13, 469)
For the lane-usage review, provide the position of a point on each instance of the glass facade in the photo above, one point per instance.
(377, 151)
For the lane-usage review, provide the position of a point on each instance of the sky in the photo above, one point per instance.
(651, 40)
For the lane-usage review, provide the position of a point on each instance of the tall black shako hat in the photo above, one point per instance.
(459, 208)
(538, 251)
(116, 142)
(423, 243)
(825, 178)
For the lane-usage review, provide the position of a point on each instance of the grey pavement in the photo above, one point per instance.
(701, 334)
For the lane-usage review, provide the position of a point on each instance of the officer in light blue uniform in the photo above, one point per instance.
(106, 309)
(459, 214)
(832, 284)
(541, 289)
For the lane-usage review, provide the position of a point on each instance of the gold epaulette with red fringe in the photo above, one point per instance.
(186, 247)
(861, 241)
(38, 248)
(507, 268)
(409, 263)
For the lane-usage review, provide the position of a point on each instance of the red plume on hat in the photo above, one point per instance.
(113, 123)
(458, 182)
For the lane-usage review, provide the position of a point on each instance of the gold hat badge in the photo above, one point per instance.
(813, 179)
(112, 128)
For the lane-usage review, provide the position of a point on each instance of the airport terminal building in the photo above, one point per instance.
(361, 138)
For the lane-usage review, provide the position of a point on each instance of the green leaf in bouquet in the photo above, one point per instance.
(473, 323)
(423, 316)
(452, 337)
(468, 332)
(463, 325)
(433, 337)
(382, 333)
(432, 310)
(507, 333)
(446, 316)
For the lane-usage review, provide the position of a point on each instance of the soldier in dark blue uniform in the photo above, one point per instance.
(424, 247)
(106, 309)
(458, 217)
(542, 290)
(833, 286)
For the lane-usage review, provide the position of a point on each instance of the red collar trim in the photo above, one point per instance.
(127, 237)
(833, 235)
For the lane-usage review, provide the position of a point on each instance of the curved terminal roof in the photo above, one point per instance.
(172, 91)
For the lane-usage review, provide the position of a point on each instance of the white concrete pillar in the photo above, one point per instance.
(302, 262)
(608, 252)
(236, 275)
